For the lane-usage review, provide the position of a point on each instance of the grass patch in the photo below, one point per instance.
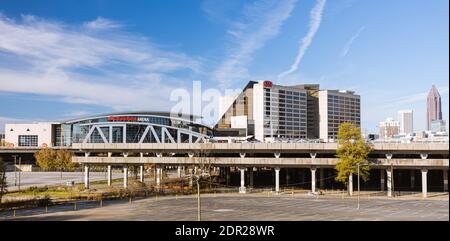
(53, 192)
(100, 182)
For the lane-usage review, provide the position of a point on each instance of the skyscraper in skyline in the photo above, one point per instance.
(405, 117)
(434, 109)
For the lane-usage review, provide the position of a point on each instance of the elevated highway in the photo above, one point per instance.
(247, 156)
(254, 156)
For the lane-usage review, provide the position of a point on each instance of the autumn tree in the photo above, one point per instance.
(64, 160)
(352, 150)
(49, 159)
(45, 159)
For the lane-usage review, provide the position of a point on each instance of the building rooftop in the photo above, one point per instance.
(155, 113)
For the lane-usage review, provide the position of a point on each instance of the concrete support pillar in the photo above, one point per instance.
(382, 179)
(313, 179)
(158, 176)
(250, 173)
(227, 173)
(242, 188)
(322, 178)
(125, 177)
(141, 173)
(86, 176)
(413, 177)
(179, 171)
(277, 179)
(445, 175)
(190, 177)
(350, 184)
(109, 175)
(424, 182)
(390, 177)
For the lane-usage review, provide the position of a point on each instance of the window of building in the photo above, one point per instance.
(28, 140)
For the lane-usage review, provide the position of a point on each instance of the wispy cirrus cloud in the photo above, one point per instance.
(261, 22)
(93, 63)
(414, 98)
(314, 24)
(102, 24)
(349, 43)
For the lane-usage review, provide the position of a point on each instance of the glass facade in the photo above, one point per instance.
(130, 128)
(342, 109)
(286, 109)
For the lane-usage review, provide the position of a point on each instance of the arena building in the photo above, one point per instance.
(129, 127)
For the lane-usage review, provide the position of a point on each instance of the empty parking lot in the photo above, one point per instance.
(255, 207)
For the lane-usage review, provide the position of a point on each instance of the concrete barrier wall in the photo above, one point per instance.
(265, 162)
(223, 147)
(22, 168)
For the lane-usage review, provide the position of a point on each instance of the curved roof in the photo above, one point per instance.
(144, 113)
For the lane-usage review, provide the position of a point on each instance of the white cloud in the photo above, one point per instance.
(76, 113)
(314, 24)
(261, 22)
(349, 43)
(414, 98)
(101, 24)
(109, 68)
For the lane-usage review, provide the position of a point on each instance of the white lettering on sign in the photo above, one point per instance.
(143, 119)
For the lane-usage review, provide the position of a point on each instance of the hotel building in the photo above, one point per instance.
(300, 111)
(336, 107)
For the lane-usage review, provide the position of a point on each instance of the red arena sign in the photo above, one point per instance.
(267, 84)
(122, 118)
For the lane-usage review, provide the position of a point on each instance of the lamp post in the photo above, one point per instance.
(197, 180)
(20, 171)
(199, 207)
(15, 170)
(358, 186)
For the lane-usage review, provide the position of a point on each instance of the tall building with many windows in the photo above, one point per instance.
(267, 111)
(405, 118)
(336, 107)
(299, 111)
(279, 111)
(434, 108)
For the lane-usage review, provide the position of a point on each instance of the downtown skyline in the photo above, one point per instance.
(63, 60)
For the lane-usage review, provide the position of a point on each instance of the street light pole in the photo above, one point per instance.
(15, 170)
(199, 215)
(20, 171)
(358, 186)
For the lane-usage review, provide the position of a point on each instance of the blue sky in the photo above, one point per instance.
(62, 59)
